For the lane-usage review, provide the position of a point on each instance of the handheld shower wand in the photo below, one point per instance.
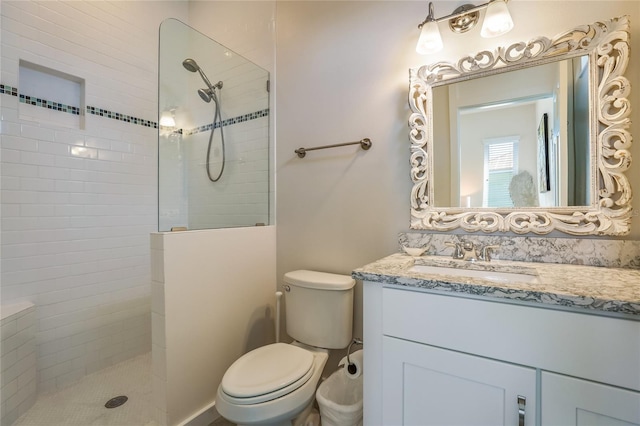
(207, 95)
(192, 65)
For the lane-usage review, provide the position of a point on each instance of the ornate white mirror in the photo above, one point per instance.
(532, 137)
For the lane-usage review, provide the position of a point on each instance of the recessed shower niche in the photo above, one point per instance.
(50, 96)
(213, 144)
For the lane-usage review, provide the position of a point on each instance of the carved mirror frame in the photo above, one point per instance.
(607, 44)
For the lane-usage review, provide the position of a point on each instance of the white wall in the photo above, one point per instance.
(341, 78)
(246, 27)
(213, 296)
(343, 75)
(78, 204)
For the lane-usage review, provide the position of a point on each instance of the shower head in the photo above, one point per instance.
(190, 65)
(206, 94)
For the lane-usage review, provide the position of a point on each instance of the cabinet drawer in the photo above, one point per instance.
(597, 348)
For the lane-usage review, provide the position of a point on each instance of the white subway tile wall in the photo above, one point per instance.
(78, 204)
(18, 344)
(241, 196)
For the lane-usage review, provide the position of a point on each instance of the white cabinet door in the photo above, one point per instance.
(425, 385)
(570, 401)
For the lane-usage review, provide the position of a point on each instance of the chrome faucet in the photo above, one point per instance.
(469, 252)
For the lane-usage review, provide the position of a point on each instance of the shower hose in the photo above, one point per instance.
(217, 117)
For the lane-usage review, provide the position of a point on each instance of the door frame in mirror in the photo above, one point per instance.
(607, 45)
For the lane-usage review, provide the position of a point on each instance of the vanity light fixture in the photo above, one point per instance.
(497, 21)
(430, 40)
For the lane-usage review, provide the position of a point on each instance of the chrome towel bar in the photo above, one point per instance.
(364, 144)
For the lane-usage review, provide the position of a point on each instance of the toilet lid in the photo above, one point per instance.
(268, 369)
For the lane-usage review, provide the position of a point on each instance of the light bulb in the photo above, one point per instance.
(497, 20)
(430, 40)
(167, 119)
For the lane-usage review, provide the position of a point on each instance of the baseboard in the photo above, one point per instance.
(203, 417)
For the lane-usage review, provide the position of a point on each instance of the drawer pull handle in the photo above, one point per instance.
(522, 403)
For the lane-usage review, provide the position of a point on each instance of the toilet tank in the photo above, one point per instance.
(319, 308)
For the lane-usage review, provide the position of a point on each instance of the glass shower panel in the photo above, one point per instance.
(213, 109)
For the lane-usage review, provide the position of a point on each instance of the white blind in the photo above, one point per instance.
(500, 164)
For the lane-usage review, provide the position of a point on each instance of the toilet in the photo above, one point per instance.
(276, 384)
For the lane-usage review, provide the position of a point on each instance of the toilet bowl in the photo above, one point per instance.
(271, 385)
(276, 384)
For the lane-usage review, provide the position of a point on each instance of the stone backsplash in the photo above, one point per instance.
(576, 251)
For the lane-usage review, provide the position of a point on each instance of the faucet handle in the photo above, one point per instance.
(453, 244)
(485, 252)
(457, 249)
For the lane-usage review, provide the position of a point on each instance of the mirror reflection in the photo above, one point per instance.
(515, 139)
(550, 173)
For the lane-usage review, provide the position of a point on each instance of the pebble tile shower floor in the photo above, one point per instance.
(82, 404)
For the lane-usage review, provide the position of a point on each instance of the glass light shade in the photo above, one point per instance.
(497, 20)
(167, 120)
(430, 40)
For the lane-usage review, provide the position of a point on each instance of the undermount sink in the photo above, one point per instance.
(494, 276)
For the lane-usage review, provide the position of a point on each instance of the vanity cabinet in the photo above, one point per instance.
(443, 359)
(425, 385)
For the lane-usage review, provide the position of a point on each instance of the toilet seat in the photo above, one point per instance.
(267, 373)
(275, 409)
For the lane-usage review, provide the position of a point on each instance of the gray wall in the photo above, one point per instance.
(343, 75)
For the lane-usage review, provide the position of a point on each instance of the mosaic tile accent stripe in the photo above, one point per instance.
(70, 109)
(30, 100)
(13, 91)
(227, 122)
(121, 117)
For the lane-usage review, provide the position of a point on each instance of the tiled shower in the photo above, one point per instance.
(79, 191)
(79, 162)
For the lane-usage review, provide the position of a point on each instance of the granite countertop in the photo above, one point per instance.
(594, 289)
